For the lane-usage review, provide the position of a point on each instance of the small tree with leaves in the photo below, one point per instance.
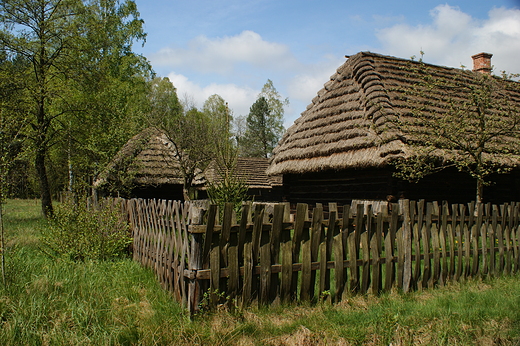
(466, 120)
(264, 123)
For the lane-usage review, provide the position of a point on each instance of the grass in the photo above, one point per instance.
(55, 301)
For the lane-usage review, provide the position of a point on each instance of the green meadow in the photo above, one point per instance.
(52, 300)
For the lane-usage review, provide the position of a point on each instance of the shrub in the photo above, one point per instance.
(87, 233)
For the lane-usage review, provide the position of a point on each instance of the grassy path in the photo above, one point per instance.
(54, 301)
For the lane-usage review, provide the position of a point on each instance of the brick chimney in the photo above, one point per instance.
(482, 63)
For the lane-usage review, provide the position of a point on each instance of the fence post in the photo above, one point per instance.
(407, 239)
(194, 261)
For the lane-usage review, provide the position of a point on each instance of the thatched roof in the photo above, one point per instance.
(351, 121)
(149, 159)
(146, 159)
(252, 170)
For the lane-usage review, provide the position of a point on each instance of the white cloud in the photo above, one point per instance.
(453, 36)
(238, 98)
(305, 85)
(222, 55)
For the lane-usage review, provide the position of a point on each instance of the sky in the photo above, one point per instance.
(232, 47)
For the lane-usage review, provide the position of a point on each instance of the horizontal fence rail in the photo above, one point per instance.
(207, 258)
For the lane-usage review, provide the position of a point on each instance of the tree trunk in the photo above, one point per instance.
(44, 182)
(480, 191)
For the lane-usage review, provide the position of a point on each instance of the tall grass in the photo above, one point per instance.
(55, 301)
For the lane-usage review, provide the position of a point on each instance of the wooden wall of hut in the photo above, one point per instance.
(376, 184)
(166, 191)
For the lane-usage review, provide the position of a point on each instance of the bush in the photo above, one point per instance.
(83, 233)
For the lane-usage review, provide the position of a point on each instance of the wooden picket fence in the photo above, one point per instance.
(323, 253)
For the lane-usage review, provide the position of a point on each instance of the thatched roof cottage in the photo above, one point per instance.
(146, 167)
(342, 146)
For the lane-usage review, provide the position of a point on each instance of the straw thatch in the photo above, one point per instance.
(251, 170)
(350, 123)
(148, 159)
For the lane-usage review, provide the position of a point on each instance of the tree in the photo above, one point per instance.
(12, 123)
(68, 45)
(189, 130)
(264, 123)
(216, 108)
(476, 126)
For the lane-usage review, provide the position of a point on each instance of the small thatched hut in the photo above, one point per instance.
(146, 167)
(251, 170)
(342, 146)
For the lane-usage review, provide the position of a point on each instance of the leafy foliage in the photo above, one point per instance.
(196, 135)
(82, 233)
(81, 82)
(264, 123)
(228, 187)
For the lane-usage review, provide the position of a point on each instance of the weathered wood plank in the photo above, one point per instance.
(265, 267)
(307, 289)
(339, 258)
(317, 233)
(286, 275)
(376, 248)
(407, 242)
(427, 250)
(417, 227)
(302, 211)
(278, 219)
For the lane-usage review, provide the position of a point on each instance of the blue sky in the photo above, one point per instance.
(231, 47)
